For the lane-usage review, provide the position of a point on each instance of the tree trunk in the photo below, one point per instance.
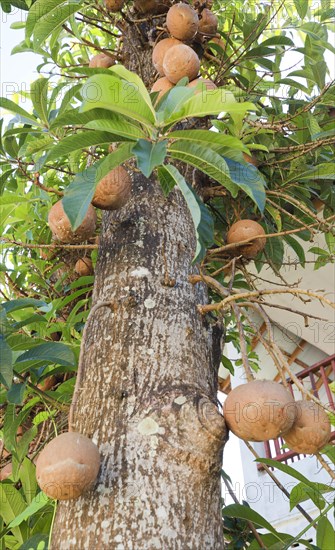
(148, 396)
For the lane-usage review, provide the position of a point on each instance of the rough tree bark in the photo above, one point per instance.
(148, 397)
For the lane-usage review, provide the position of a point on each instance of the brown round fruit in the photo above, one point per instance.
(67, 466)
(159, 52)
(113, 190)
(311, 429)
(84, 267)
(245, 229)
(182, 22)
(259, 410)
(48, 383)
(208, 24)
(114, 5)
(250, 159)
(162, 85)
(206, 84)
(101, 61)
(61, 228)
(181, 61)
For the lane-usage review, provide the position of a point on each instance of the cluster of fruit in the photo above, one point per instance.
(263, 410)
(112, 192)
(173, 57)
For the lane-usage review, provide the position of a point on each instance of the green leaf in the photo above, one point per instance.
(74, 117)
(79, 193)
(9, 105)
(37, 503)
(119, 125)
(28, 476)
(52, 20)
(166, 181)
(322, 171)
(325, 534)
(249, 179)
(12, 504)
(116, 95)
(330, 240)
(39, 98)
(3, 179)
(206, 160)
(298, 249)
(38, 10)
(244, 512)
(81, 141)
(36, 542)
(295, 474)
(22, 303)
(15, 394)
(6, 360)
(301, 492)
(51, 352)
(274, 213)
(133, 78)
(149, 155)
(172, 101)
(206, 136)
(301, 7)
(210, 102)
(228, 364)
(202, 220)
(278, 40)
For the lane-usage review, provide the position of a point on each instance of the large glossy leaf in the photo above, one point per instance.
(78, 196)
(209, 102)
(12, 504)
(38, 542)
(244, 512)
(46, 24)
(119, 125)
(294, 473)
(132, 77)
(322, 171)
(6, 363)
(28, 476)
(37, 503)
(325, 534)
(22, 303)
(172, 102)
(301, 492)
(9, 105)
(202, 220)
(39, 98)
(79, 193)
(110, 92)
(149, 155)
(205, 159)
(206, 136)
(249, 179)
(15, 393)
(51, 352)
(74, 117)
(80, 141)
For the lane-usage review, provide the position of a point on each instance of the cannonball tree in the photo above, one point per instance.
(228, 133)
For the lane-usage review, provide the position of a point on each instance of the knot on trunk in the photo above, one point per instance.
(189, 429)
